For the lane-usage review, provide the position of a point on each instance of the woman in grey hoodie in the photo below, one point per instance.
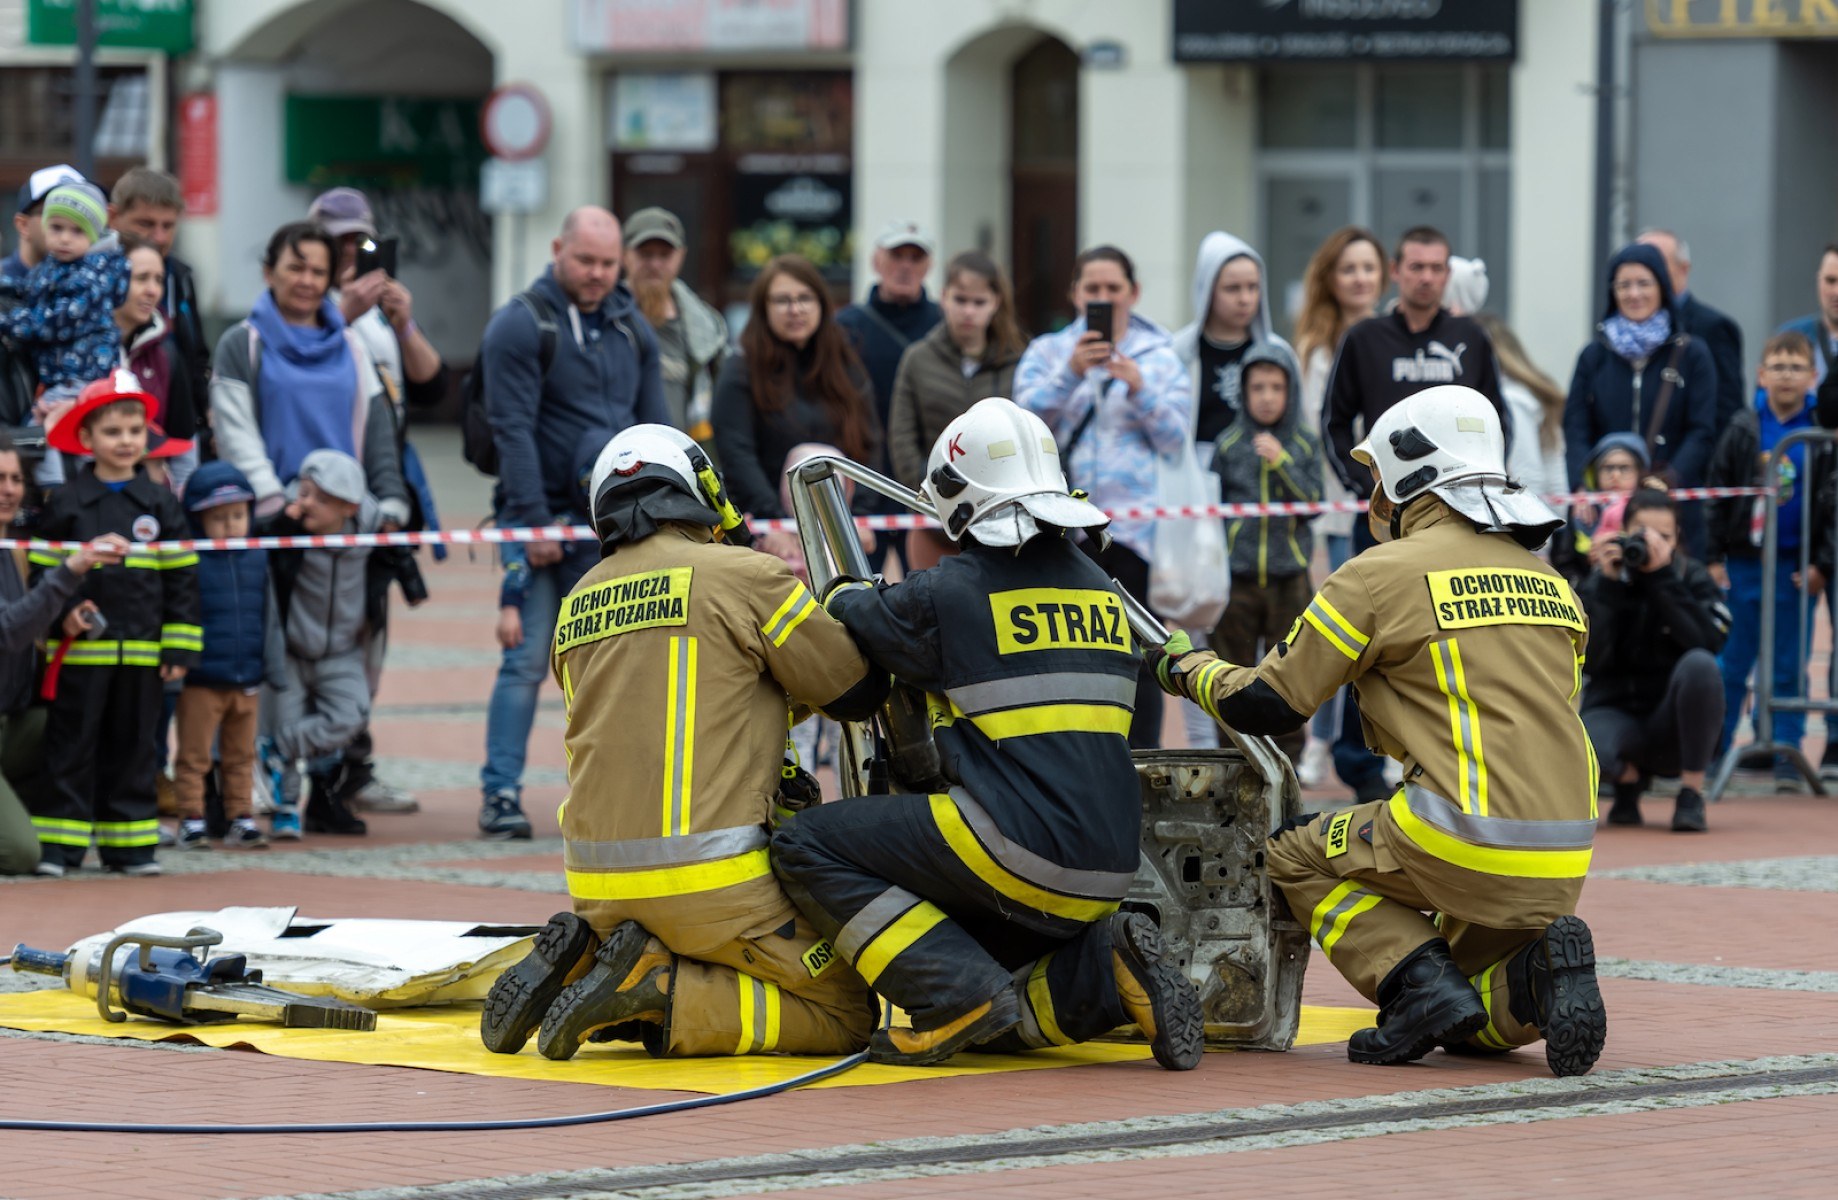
(1231, 317)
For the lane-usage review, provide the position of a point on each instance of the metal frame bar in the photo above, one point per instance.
(1766, 705)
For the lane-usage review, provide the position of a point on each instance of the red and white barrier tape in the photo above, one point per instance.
(882, 522)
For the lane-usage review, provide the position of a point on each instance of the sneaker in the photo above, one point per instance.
(139, 870)
(1316, 766)
(284, 825)
(192, 836)
(167, 838)
(244, 834)
(272, 770)
(501, 818)
(1787, 778)
(1688, 813)
(49, 870)
(377, 796)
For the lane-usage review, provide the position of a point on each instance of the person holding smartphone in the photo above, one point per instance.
(1116, 396)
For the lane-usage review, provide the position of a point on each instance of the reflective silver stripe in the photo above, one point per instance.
(1326, 925)
(797, 603)
(1059, 687)
(1024, 863)
(1354, 639)
(662, 851)
(759, 1013)
(875, 916)
(1504, 832)
(1445, 654)
(677, 765)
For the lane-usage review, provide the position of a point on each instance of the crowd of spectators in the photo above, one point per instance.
(297, 421)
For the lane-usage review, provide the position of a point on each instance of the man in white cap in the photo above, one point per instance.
(988, 909)
(1452, 903)
(896, 314)
(28, 222)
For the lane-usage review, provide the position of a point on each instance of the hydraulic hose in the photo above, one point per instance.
(593, 1118)
(827, 1071)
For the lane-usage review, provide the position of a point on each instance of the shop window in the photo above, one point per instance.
(1420, 108)
(1309, 109)
(1387, 147)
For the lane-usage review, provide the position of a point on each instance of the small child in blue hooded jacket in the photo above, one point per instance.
(222, 697)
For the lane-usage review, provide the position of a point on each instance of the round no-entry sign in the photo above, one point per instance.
(515, 122)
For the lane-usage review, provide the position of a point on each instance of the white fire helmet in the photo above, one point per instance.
(645, 452)
(995, 474)
(1447, 441)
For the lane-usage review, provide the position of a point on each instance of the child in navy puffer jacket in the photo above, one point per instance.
(222, 696)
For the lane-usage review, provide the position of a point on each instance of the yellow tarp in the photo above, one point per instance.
(447, 1039)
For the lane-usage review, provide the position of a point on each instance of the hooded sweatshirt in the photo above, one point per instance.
(1609, 395)
(1270, 547)
(233, 595)
(1215, 370)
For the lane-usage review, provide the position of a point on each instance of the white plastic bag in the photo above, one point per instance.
(1189, 577)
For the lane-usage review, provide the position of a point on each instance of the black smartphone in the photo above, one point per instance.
(1100, 315)
(377, 254)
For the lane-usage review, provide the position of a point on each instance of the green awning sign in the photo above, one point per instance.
(139, 24)
(382, 141)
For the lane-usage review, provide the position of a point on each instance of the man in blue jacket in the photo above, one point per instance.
(569, 361)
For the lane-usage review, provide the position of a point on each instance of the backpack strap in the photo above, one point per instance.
(1669, 379)
(546, 327)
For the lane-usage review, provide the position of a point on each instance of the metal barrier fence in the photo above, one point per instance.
(1767, 705)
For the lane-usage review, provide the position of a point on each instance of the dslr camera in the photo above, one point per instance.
(1634, 554)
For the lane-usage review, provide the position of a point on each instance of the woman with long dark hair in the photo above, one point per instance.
(796, 379)
(968, 356)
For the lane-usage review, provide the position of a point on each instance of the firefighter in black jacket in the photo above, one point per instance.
(104, 676)
(989, 911)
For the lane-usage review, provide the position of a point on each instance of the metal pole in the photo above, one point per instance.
(1606, 87)
(85, 97)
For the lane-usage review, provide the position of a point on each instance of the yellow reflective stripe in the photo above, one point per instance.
(796, 609)
(969, 850)
(1464, 726)
(1040, 999)
(127, 833)
(1332, 637)
(1336, 911)
(744, 987)
(48, 558)
(1488, 860)
(1489, 1035)
(172, 560)
(894, 940)
(182, 637)
(769, 1037)
(670, 881)
(1594, 782)
(1053, 718)
(1328, 904)
(55, 831)
(679, 734)
(1339, 631)
(567, 690)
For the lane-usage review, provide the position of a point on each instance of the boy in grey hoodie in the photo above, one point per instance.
(321, 596)
(1266, 456)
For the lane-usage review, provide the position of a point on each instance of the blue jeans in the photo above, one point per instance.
(1744, 646)
(512, 711)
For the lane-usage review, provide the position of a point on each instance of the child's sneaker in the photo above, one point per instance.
(139, 870)
(49, 870)
(284, 824)
(193, 836)
(244, 834)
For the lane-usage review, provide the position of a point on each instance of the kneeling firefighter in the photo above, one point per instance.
(989, 912)
(1466, 652)
(679, 659)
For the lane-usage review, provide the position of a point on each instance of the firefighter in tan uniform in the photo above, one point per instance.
(679, 658)
(1452, 903)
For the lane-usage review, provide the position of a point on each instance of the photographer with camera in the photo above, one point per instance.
(1653, 698)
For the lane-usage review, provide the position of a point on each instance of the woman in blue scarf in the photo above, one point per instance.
(291, 379)
(1644, 375)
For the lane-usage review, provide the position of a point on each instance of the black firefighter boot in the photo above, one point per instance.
(630, 981)
(1553, 987)
(901, 1047)
(1424, 1000)
(328, 804)
(1155, 994)
(515, 1007)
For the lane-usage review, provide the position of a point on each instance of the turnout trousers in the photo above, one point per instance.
(1367, 914)
(743, 986)
(940, 913)
(100, 758)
